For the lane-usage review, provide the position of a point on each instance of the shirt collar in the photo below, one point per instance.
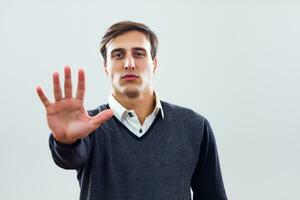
(119, 110)
(158, 106)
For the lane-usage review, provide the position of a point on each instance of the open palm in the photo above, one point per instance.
(66, 117)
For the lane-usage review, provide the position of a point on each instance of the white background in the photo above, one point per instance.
(235, 62)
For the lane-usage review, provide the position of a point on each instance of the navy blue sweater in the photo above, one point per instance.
(176, 153)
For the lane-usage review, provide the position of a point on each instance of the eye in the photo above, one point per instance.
(139, 53)
(117, 55)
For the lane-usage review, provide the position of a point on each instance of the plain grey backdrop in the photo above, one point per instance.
(235, 62)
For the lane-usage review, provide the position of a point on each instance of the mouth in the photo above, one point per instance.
(130, 77)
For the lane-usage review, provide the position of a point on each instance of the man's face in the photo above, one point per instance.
(129, 64)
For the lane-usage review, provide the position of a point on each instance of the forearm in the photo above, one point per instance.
(207, 182)
(70, 156)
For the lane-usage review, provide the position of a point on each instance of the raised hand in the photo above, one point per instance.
(66, 117)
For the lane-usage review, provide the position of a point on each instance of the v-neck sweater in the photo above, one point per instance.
(174, 155)
(130, 119)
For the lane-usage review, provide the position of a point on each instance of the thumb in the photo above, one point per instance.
(102, 117)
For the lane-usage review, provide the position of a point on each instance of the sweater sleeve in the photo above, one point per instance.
(70, 156)
(207, 183)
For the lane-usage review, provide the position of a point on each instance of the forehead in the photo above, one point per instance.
(129, 40)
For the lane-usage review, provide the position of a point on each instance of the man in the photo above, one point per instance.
(136, 147)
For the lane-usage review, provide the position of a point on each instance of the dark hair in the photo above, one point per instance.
(125, 26)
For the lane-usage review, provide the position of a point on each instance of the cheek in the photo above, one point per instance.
(115, 70)
(147, 75)
(115, 75)
(145, 66)
(148, 70)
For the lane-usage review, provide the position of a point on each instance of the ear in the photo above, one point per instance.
(155, 65)
(105, 68)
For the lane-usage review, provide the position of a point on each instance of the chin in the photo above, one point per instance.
(131, 93)
(129, 90)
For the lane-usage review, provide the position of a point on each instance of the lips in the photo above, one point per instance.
(130, 76)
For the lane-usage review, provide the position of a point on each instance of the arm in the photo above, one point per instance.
(71, 125)
(70, 156)
(207, 183)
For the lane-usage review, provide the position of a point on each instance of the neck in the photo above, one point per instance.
(142, 105)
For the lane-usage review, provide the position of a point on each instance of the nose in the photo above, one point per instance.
(129, 63)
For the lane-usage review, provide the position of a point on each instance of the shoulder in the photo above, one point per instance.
(179, 112)
(97, 110)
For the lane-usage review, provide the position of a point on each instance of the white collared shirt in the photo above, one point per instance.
(130, 119)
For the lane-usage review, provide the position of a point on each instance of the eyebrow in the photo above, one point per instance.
(116, 50)
(139, 48)
(122, 50)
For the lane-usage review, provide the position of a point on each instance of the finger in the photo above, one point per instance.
(56, 87)
(102, 117)
(80, 85)
(42, 97)
(68, 82)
